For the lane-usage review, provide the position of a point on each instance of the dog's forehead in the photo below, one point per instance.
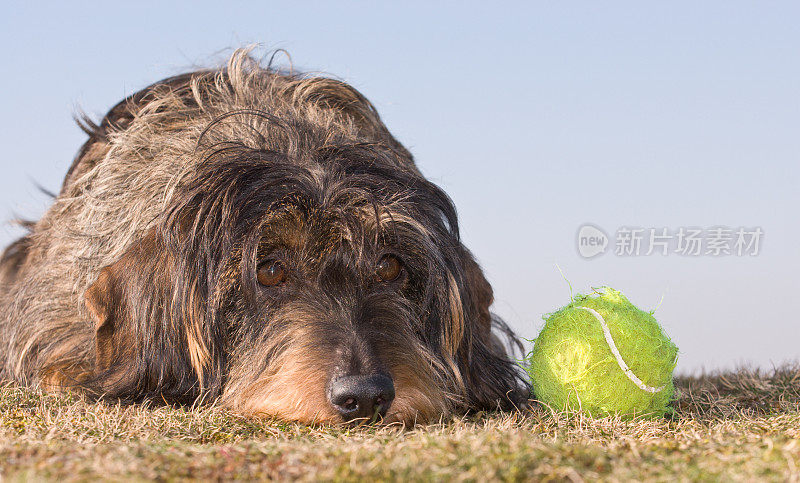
(316, 228)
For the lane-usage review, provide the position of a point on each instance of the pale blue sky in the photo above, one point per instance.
(535, 117)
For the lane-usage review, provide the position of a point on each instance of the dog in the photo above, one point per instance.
(256, 238)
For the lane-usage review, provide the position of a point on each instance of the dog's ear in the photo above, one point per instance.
(493, 379)
(119, 302)
(146, 337)
(480, 295)
(102, 299)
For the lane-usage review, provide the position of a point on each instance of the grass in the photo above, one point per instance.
(742, 425)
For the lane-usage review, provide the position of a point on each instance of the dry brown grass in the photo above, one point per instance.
(741, 425)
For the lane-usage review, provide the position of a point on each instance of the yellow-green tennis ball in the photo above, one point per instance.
(573, 364)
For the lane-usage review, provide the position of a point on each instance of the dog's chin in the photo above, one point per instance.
(284, 406)
(409, 408)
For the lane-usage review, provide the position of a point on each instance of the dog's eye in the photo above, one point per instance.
(389, 268)
(271, 273)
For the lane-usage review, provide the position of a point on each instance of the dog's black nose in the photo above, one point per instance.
(362, 397)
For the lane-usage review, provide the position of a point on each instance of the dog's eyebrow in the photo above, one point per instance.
(280, 238)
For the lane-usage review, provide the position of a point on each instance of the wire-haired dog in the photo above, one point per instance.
(258, 238)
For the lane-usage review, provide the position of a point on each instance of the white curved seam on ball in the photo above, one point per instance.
(620, 361)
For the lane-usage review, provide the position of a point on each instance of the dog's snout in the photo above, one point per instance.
(362, 397)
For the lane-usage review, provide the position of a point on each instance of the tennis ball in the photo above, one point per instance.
(604, 356)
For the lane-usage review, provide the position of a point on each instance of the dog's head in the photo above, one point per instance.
(324, 287)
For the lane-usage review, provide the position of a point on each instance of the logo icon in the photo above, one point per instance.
(592, 241)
